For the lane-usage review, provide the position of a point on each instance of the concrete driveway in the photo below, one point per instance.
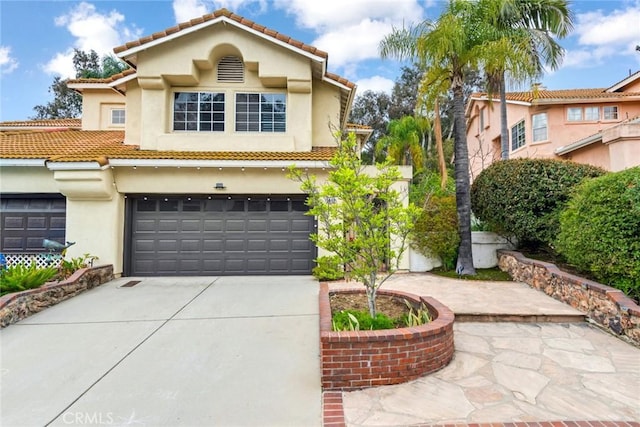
(203, 351)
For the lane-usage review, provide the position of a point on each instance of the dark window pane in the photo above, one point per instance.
(170, 205)
(235, 206)
(257, 205)
(241, 97)
(191, 206)
(254, 97)
(192, 126)
(214, 205)
(218, 117)
(205, 96)
(205, 127)
(279, 206)
(218, 127)
(298, 206)
(146, 205)
(205, 106)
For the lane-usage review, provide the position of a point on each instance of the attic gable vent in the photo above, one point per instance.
(230, 70)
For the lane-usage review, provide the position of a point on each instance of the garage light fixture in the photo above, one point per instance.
(220, 186)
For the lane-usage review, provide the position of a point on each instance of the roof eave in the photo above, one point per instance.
(22, 162)
(261, 164)
(561, 151)
(125, 54)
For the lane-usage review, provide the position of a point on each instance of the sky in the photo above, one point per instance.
(37, 38)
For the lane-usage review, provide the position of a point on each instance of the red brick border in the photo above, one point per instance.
(333, 416)
(353, 360)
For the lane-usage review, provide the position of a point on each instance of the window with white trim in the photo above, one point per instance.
(517, 135)
(574, 114)
(592, 113)
(539, 125)
(261, 112)
(117, 116)
(610, 112)
(198, 111)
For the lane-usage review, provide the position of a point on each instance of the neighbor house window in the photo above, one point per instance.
(117, 116)
(198, 111)
(481, 119)
(261, 112)
(592, 113)
(610, 113)
(574, 114)
(539, 127)
(517, 135)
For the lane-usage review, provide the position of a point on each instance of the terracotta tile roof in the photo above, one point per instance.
(51, 123)
(113, 78)
(218, 13)
(561, 95)
(79, 146)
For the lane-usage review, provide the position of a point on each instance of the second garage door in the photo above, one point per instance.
(236, 235)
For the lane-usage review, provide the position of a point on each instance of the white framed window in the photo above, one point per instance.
(198, 111)
(592, 113)
(117, 116)
(261, 112)
(574, 114)
(517, 135)
(610, 112)
(540, 128)
(482, 119)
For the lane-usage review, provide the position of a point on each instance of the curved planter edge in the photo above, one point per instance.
(352, 360)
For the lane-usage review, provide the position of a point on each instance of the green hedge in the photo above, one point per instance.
(524, 197)
(436, 230)
(600, 230)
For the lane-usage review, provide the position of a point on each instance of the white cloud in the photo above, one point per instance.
(602, 35)
(376, 84)
(7, 62)
(185, 10)
(93, 31)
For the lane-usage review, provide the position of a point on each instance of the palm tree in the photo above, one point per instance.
(404, 143)
(447, 48)
(523, 45)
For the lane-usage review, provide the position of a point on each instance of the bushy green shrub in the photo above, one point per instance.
(328, 268)
(436, 230)
(352, 320)
(600, 230)
(524, 197)
(21, 277)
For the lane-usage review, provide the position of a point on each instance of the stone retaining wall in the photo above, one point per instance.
(603, 304)
(17, 306)
(352, 360)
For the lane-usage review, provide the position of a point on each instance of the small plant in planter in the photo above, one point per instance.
(68, 267)
(362, 218)
(21, 277)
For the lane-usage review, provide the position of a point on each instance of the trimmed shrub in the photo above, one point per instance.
(328, 268)
(524, 197)
(436, 230)
(21, 277)
(600, 230)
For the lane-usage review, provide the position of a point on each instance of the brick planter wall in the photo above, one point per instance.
(603, 304)
(357, 359)
(17, 306)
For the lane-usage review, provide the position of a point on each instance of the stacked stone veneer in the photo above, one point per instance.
(353, 360)
(607, 306)
(17, 306)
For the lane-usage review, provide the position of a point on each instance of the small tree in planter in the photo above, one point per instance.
(361, 217)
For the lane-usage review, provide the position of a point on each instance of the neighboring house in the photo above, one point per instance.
(594, 126)
(180, 167)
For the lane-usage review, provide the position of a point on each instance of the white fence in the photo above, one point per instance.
(42, 259)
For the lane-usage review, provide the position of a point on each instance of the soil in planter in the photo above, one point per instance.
(393, 307)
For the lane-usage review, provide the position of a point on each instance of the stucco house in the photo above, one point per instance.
(595, 126)
(179, 164)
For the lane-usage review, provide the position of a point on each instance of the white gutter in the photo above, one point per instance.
(248, 164)
(68, 166)
(578, 144)
(22, 162)
(88, 86)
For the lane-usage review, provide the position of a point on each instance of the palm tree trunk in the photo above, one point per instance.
(437, 129)
(504, 130)
(463, 188)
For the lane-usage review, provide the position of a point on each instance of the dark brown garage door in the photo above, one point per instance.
(27, 220)
(239, 235)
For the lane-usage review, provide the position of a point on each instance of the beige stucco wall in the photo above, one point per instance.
(189, 63)
(97, 106)
(27, 179)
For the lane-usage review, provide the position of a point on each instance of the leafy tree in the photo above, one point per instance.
(66, 102)
(404, 145)
(404, 95)
(523, 31)
(361, 217)
(371, 109)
